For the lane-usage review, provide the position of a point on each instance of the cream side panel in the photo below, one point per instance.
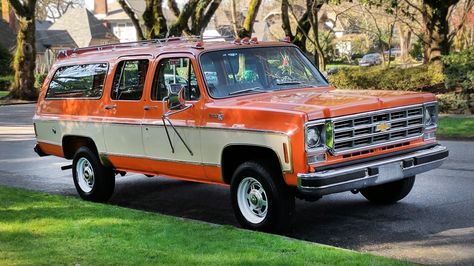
(124, 139)
(157, 146)
(213, 142)
(46, 131)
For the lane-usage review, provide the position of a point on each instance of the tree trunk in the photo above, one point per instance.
(247, 27)
(154, 20)
(435, 18)
(319, 58)
(24, 61)
(234, 17)
(404, 35)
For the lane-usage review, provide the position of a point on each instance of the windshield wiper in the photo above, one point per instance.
(254, 89)
(289, 83)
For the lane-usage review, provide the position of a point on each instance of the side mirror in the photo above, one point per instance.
(176, 101)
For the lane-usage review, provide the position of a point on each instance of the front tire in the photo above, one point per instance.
(260, 198)
(389, 193)
(93, 181)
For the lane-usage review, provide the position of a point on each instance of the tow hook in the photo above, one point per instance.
(355, 191)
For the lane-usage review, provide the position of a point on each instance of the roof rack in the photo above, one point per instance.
(158, 42)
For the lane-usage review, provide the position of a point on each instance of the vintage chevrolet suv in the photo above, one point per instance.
(257, 116)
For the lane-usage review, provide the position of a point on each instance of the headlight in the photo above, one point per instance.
(431, 116)
(315, 136)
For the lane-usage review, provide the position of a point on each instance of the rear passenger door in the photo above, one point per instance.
(122, 130)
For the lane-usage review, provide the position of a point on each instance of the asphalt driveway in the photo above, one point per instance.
(433, 225)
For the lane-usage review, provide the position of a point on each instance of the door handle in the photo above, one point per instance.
(149, 107)
(110, 106)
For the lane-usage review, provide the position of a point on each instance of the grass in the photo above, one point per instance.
(3, 93)
(42, 229)
(456, 127)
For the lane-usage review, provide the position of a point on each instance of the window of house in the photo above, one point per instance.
(172, 75)
(78, 81)
(129, 80)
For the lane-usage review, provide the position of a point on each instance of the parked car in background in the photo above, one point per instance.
(371, 60)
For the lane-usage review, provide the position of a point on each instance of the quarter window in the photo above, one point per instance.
(172, 75)
(129, 80)
(78, 81)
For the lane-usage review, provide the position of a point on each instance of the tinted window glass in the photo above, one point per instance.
(173, 75)
(129, 80)
(80, 81)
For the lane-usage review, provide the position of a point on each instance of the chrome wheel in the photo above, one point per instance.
(85, 175)
(252, 200)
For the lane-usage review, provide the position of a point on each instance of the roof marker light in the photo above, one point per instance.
(237, 41)
(199, 45)
(245, 40)
(254, 40)
(287, 39)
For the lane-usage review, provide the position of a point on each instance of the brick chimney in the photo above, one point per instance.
(100, 8)
(8, 15)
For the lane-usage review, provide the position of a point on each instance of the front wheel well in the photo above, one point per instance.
(72, 143)
(235, 155)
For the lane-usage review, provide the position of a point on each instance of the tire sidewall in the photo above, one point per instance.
(102, 187)
(275, 197)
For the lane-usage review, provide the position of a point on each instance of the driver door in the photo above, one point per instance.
(162, 143)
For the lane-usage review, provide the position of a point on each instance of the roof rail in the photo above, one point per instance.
(123, 45)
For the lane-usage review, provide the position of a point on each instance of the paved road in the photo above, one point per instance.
(433, 225)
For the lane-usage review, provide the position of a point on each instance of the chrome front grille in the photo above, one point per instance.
(367, 130)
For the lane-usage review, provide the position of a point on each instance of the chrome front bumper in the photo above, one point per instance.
(371, 173)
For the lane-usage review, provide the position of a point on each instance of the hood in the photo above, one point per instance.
(326, 102)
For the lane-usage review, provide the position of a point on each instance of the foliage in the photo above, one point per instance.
(39, 79)
(419, 78)
(417, 49)
(456, 127)
(41, 229)
(5, 82)
(5, 61)
(459, 71)
(453, 103)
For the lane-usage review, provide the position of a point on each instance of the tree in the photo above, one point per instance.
(436, 34)
(191, 20)
(25, 54)
(54, 9)
(135, 21)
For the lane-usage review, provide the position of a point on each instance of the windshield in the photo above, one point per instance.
(255, 70)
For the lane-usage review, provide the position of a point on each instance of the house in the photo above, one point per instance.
(48, 44)
(84, 28)
(8, 39)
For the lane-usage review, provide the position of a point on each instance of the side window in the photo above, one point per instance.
(172, 75)
(79, 81)
(129, 80)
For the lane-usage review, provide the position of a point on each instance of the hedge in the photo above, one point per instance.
(452, 81)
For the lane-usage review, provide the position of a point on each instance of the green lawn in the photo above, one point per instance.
(456, 127)
(42, 229)
(3, 93)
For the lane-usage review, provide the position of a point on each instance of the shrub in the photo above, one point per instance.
(420, 78)
(5, 61)
(5, 82)
(39, 79)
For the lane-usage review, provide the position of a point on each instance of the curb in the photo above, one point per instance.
(455, 138)
(16, 103)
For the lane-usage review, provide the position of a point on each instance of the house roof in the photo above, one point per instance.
(43, 24)
(8, 39)
(53, 38)
(83, 26)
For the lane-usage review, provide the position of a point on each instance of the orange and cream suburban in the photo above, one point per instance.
(255, 115)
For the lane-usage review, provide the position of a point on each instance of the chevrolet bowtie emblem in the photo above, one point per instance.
(382, 127)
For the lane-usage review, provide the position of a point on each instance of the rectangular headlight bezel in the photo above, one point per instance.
(432, 109)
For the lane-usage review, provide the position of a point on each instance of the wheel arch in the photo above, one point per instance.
(71, 143)
(235, 154)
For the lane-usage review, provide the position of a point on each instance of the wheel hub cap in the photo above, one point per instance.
(252, 200)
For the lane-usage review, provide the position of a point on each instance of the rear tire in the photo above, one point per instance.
(260, 198)
(93, 181)
(389, 193)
